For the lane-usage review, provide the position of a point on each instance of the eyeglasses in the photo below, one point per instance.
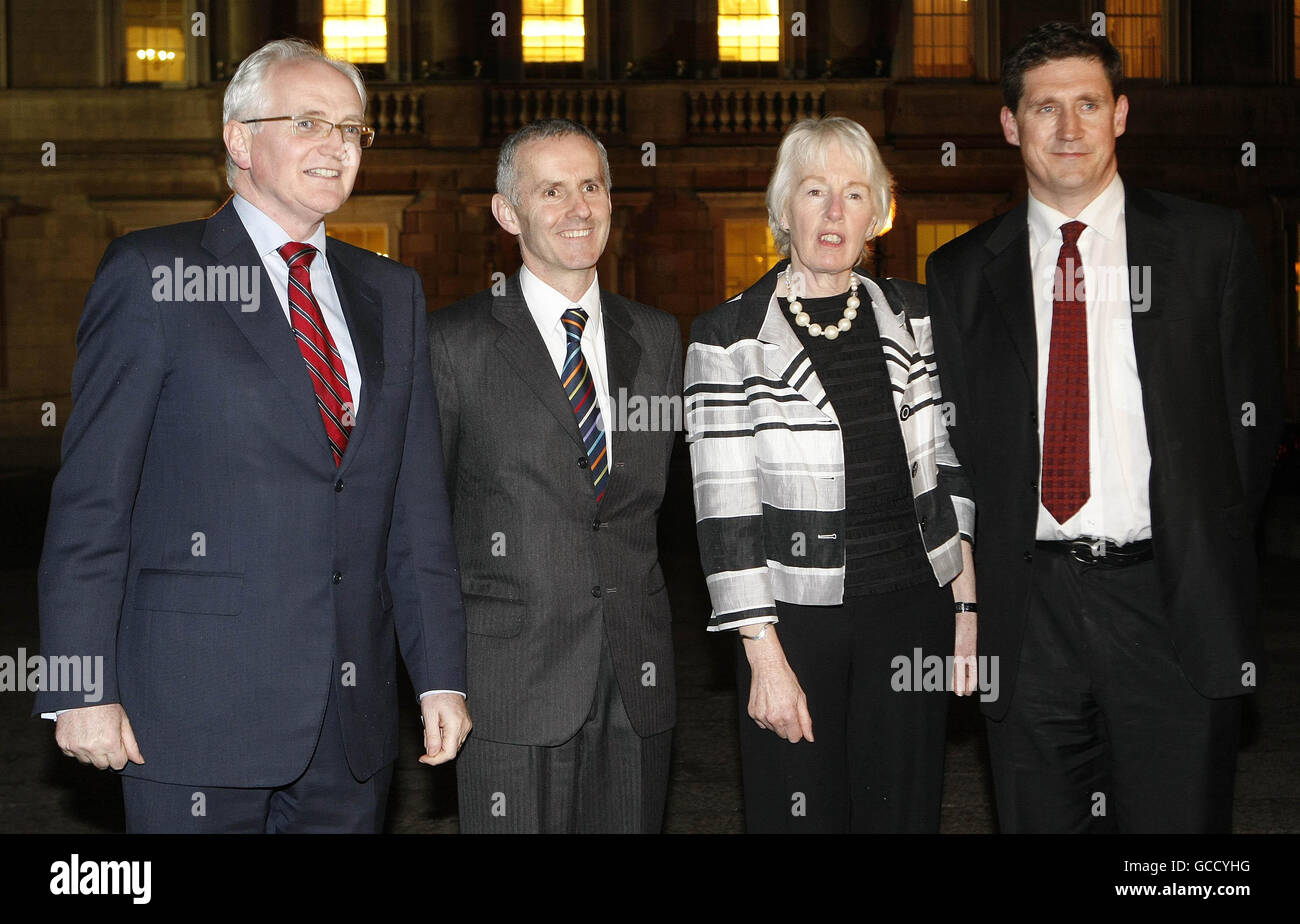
(318, 129)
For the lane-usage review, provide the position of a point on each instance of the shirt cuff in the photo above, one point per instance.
(753, 621)
(431, 692)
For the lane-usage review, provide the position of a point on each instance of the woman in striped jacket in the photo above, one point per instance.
(828, 499)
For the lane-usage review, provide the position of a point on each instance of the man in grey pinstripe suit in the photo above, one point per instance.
(570, 645)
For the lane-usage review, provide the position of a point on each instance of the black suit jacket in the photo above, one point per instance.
(198, 417)
(546, 570)
(1210, 394)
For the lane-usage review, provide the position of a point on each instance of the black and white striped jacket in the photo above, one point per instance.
(768, 459)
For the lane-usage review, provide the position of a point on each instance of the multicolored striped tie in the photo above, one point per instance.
(581, 389)
(317, 346)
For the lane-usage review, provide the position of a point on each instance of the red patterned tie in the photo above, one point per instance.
(1065, 419)
(327, 375)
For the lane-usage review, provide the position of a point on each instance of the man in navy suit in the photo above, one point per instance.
(251, 516)
(1117, 403)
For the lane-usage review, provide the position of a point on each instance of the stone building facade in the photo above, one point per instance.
(89, 151)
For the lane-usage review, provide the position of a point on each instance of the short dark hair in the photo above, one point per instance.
(1055, 41)
(508, 171)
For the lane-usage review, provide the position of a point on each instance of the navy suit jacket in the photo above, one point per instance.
(202, 541)
(1211, 396)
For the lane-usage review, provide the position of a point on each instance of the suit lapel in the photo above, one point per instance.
(1010, 279)
(526, 356)
(1148, 244)
(362, 310)
(901, 356)
(266, 329)
(786, 359)
(622, 359)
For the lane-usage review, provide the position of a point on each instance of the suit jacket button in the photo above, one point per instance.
(924, 523)
(595, 524)
(595, 591)
(582, 462)
(1033, 485)
(1029, 556)
(338, 486)
(336, 577)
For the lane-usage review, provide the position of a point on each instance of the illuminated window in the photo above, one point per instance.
(749, 30)
(1295, 285)
(554, 31)
(941, 38)
(931, 235)
(750, 252)
(1135, 27)
(372, 236)
(1295, 38)
(356, 31)
(155, 43)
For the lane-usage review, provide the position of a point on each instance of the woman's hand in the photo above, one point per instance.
(965, 676)
(776, 701)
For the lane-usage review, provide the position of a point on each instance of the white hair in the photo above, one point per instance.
(247, 93)
(804, 149)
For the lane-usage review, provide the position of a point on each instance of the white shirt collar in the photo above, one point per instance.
(268, 237)
(548, 305)
(1102, 215)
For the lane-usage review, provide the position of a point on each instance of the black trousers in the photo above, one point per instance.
(876, 764)
(1104, 733)
(605, 779)
(325, 799)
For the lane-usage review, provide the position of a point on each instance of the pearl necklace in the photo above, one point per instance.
(831, 331)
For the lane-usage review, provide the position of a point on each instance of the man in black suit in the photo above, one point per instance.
(1116, 403)
(555, 482)
(251, 517)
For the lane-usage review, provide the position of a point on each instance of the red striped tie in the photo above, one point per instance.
(327, 375)
(1066, 484)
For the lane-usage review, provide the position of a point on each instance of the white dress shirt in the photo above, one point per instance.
(547, 306)
(268, 237)
(1118, 508)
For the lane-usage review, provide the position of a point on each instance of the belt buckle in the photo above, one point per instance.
(1088, 552)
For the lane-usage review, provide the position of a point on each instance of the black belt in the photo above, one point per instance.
(1107, 552)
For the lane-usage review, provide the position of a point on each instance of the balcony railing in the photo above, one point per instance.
(468, 114)
(397, 111)
(600, 108)
(745, 109)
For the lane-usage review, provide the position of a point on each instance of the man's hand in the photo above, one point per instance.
(446, 723)
(99, 735)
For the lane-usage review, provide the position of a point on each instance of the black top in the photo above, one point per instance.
(883, 550)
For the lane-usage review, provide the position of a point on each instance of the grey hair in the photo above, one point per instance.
(246, 95)
(804, 149)
(508, 171)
